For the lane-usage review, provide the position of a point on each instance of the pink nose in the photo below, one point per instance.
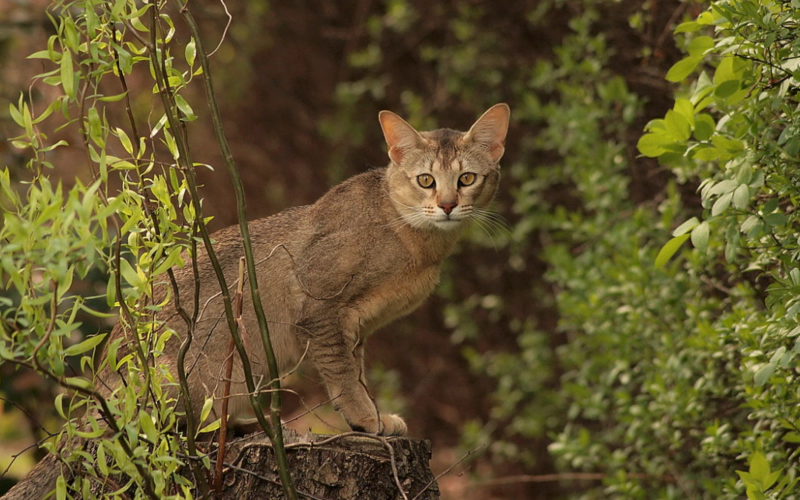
(448, 207)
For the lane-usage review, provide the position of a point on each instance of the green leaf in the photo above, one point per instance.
(59, 405)
(700, 45)
(113, 98)
(125, 140)
(669, 249)
(186, 109)
(654, 144)
(208, 404)
(722, 204)
(685, 108)
(86, 345)
(210, 427)
(727, 88)
(729, 145)
(138, 25)
(95, 126)
(771, 478)
(683, 68)
(131, 276)
(678, 126)
(190, 52)
(67, 75)
(16, 115)
(79, 382)
(148, 427)
(102, 462)
(752, 226)
(708, 154)
(763, 374)
(686, 227)
(746, 477)
(725, 71)
(792, 437)
(704, 127)
(41, 54)
(759, 467)
(700, 236)
(61, 488)
(111, 290)
(95, 432)
(775, 219)
(111, 353)
(688, 27)
(722, 187)
(741, 196)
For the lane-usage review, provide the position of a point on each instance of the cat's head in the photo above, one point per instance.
(442, 178)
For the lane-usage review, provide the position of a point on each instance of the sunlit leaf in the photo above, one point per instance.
(669, 249)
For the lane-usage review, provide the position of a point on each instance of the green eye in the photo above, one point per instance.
(426, 180)
(467, 179)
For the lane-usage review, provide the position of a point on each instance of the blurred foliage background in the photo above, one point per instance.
(556, 348)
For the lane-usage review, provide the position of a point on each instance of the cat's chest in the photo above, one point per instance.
(394, 298)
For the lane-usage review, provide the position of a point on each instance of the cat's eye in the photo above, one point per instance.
(426, 180)
(467, 179)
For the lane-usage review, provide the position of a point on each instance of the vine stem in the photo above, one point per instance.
(241, 205)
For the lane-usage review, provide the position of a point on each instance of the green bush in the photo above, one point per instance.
(677, 375)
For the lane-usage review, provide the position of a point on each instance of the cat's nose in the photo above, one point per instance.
(448, 206)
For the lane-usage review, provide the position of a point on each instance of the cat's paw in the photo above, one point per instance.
(392, 425)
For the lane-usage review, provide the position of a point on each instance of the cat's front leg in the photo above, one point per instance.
(341, 365)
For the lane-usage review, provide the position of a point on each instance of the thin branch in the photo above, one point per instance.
(563, 476)
(226, 391)
(275, 397)
(225, 31)
(18, 454)
(445, 472)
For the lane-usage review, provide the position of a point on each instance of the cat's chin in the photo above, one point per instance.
(448, 224)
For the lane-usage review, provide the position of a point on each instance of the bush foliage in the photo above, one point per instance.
(678, 374)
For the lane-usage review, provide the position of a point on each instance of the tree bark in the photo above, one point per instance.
(332, 467)
(350, 466)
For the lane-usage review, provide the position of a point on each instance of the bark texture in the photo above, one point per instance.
(339, 467)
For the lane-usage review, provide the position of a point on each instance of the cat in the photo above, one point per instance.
(331, 273)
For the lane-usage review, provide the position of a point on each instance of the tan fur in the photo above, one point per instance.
(331, 273)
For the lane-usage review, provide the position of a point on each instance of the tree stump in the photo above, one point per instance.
(343, 467)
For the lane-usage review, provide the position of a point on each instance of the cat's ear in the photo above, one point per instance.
(400, 136)
(490, 130)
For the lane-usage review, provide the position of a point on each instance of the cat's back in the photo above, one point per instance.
(350, 222)
(354, 203)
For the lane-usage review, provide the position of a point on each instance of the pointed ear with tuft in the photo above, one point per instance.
(400, 136)
(490, 130)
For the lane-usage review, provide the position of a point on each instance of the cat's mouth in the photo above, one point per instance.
(448, 222)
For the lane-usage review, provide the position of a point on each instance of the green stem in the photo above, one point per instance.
(186, 166)
(169, 108)
(274, 394)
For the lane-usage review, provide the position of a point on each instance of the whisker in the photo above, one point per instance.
(416, 219)
(493, 215)
(481, 224)
(497, 221)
